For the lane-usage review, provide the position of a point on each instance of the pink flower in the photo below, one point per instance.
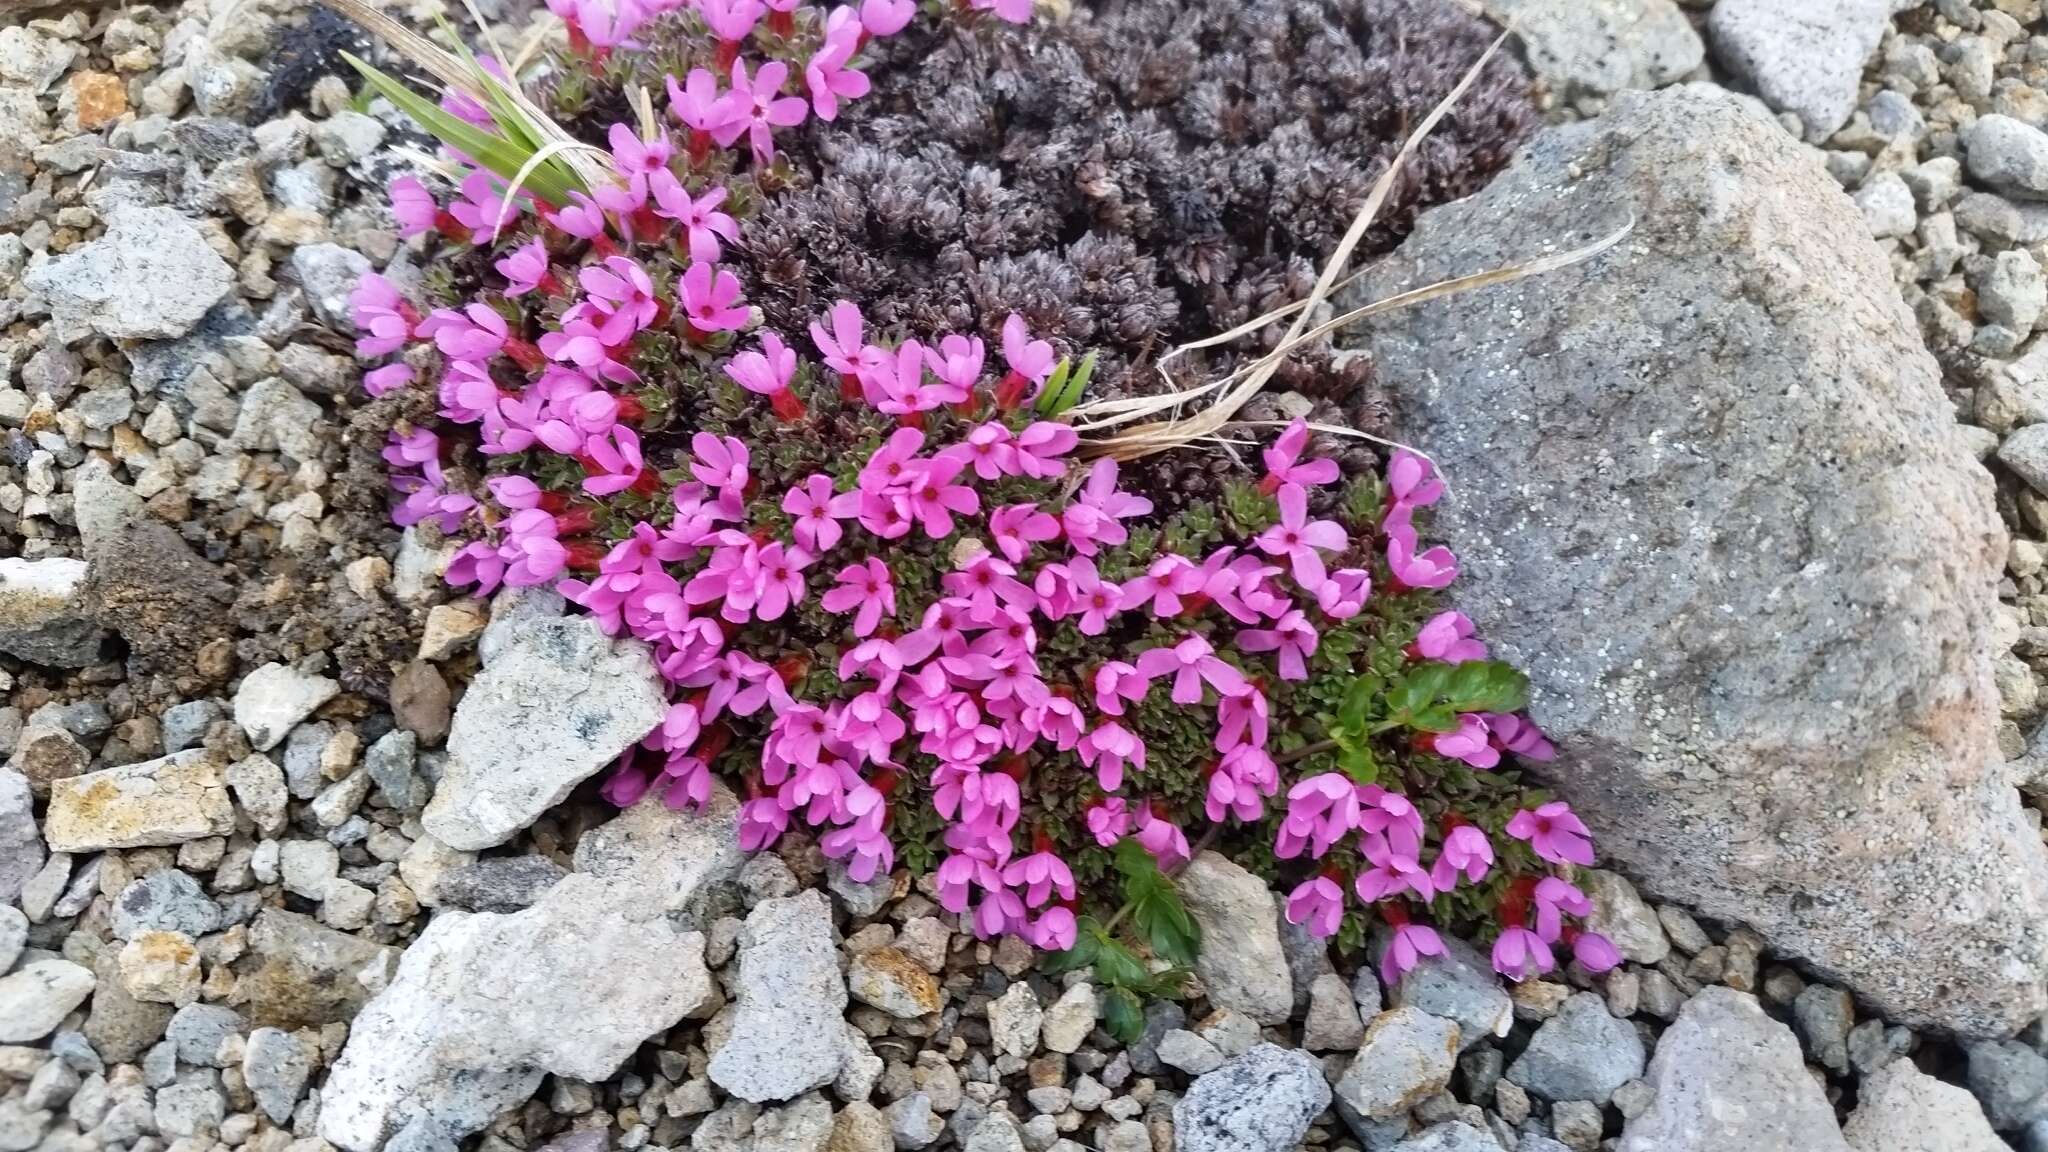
(826, 75)
(1041, 874)
(1519, 954)
(581, 217)
(1413, 480)
(782, 580)
(1030, 359)
(1162, 838)
(762, 822)
(1281, 466)
(1594, 952)
(1239, 785)
(1343, 595)
(1448, 637)
(766, 372)
(638, 159)
(1091, 518)
(1321, 810)
(866, 586)
(1392, 814)
(696, 102)
(1468, 742)
(1240, 716)
(732, 21)
(886, 17)
(868, 850)
(1507, 731)
(934, 497)
(1300, 539)
(1109, 820)
(1040, 446)
(983, 581)
(1064, 589)
(1317, 904)
(525, 269)
(842, 347)
(1016, 527)
(1554, 832)
(1116, 682)
(754, 108)
(1293, 637)
(719, 461)
(710, 298)
(483, 209)
(815, 512)
(957, 364)
(617, 457)
(1391, 874)
(476, 333)
(1556, 898)
(1435, 568)
(703, 224)
(1165, 581)
(1054, 931)
(384, 318)
(1465, 851)
(1408, 945)
(1192, 662)
(1107, 749)
(412, 206)
(621, 296)
(378, 381)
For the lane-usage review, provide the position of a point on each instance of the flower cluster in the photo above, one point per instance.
(899, 610)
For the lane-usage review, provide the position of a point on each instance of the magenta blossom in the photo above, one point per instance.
(1556, 898)
(1162, 838)
(1039, 449)
(1017, 527)
(719, 461)
(1317, 904)
(815, 512)
(766, 372)
(1465, 851)
(710, 299)
(1040, 875)
(1109, 820)
(483, 208)
(826, 74)
(704, 226)
(1054, 931)
(1321, 810)
(1412, 480)
(886, 17)
(697, 102)
(1028, 358)
(1116, 682)
(413, 206)
(866, 586)
(1292, 637)
(1435, 568)
(525, 269)
(1301, 540)
(1192, 662)
(1282, 460)
(1468, 742)
(1391, 873)
(754, 108)
(1594, 952)
(1448, 637)
(1405, 949)
(1107, 749)
(1554, 832)
(1012, 11)
(1519, 954)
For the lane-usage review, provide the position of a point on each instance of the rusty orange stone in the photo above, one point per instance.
(101, 96)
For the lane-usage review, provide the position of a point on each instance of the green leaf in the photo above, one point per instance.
(1156, 911)
(1435, 718)
(1359, 764)
(1087, 946)
(1122, 1015)
(1358, 701)
(551, 180)
(1115, 964)
(1487, 686)
(1063, 388)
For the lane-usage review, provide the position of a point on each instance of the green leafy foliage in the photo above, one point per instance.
(1156, 910)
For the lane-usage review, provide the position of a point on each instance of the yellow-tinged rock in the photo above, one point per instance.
(165, 801)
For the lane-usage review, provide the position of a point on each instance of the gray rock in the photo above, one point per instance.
(1332, 1023)
(13, 935)
(1887, 206)
(498, 883)
(2026, 453)
(997, 1133)
(391, 762)
(2011, 1081)
(2013, 293)
(556, 706)
(1188, 1052)
(786, 1026)
(1902, 1109)
(165, 900)
(184, 725)
(1802, 56)
(273, 699)
(1069, 1019)
(1455, 1136)
(483, 1006)
(328, 273)
(151, 276)
(1251, 975)
(21, 845)
(43, 615)
(1308, 957)
(170, 800)
(1014, 1019)
(2009, 155)
(1262, 1101)
(1620, 915)
(1408, 1056)
(1752, 285)
(1727, 1076)
(1824, 1015)
(35, 999)
(911, 1122)
(1459, 985)
(121, 1028)
(1599, 47)
(300, 972)
(1582, 1053)
(196, 1030)
(276, 417)
(190, 1109)
(861, 899)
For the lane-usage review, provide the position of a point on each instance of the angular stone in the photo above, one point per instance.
(37, 997)
(2009, 155)
(497, 883)
(1407, 1057)
(1460, 985)
(1801, 56)
(483, 1006)
(43, 615)
(786, 1026)
(151, 276)
(1332, 1024)
(299, 972)
(1582, 1053)
(1727, 1076)
(170, 800)
(1855, 717)
(1251, 975)
(273, 699)
(1902, 1109)
(1014, 1019)
(1263, 1101)
(1069, 1019)
(160, 968)
(275, 1066)
(1599, 47)
(21, 845)
(165, 900)
(556, 706)
(887, 979)
(101, 98)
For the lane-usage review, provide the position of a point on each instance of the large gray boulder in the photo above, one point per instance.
(1727, 1076)
(1706, 489)
(788, 1035)
(1802, 56)
(485, 1005)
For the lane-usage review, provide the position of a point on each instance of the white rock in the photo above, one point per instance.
(555, 707)
(274, 698)
(786, 1026)
(1887, 206)
(1599, 47)
(42, 612)
(169, 800)
(2008, 155)
(34, 1000)
(1014, 1020)
(1902, 1109)
(1727, 1076)
(150, 277)
(1801, 56)
(328, 273)
(1250, 975)
(484, 1005)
